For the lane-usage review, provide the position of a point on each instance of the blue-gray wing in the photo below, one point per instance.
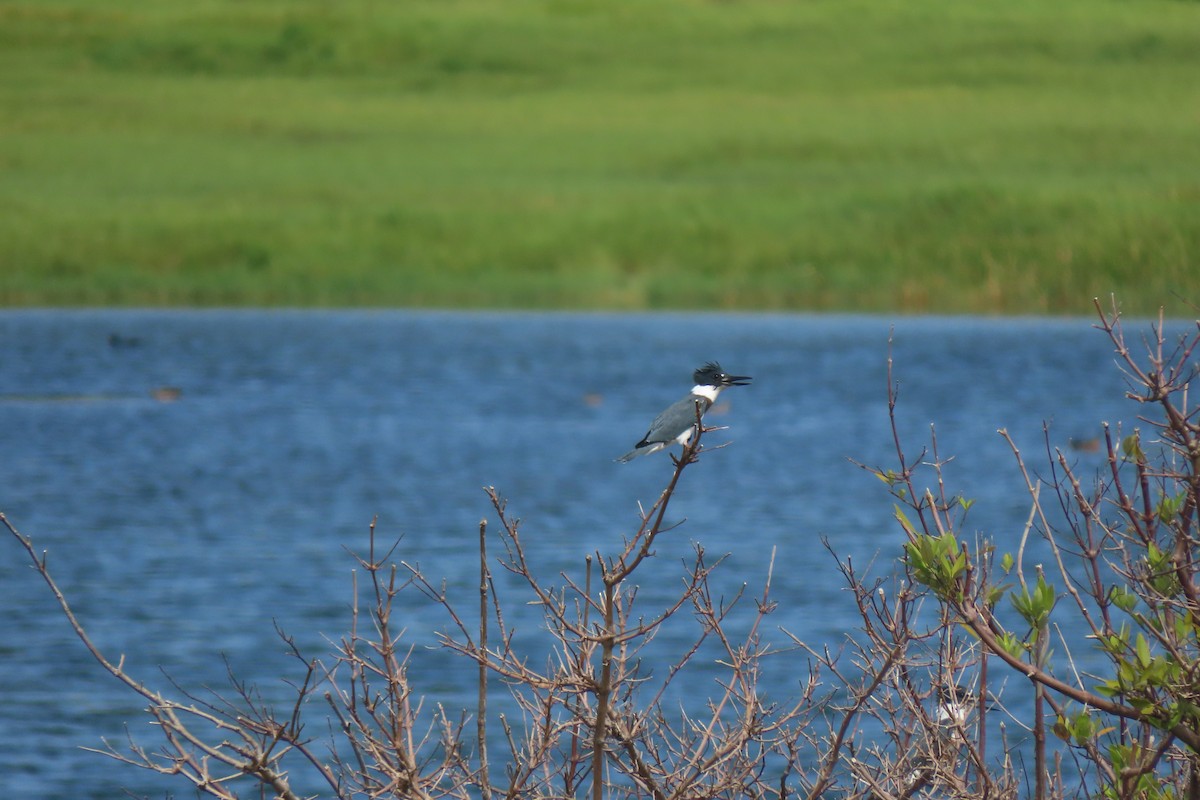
(677, 418)
(668, 426)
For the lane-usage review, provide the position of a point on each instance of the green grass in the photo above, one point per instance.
(1011, 156)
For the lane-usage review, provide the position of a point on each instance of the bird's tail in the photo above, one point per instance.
(641, 450)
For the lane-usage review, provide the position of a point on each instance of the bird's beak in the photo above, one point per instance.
(736, 380)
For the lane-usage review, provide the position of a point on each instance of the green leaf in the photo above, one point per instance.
(1023, 603)
(1169, 507)
(1035, 607)
(937, 562)
(1122, 598)
(1141, 704)
(1131, 448)
(1160, 571)
(904, 523)
(1184, 630)
(1006, 563)
(1045, 597)
(1012, 645)
(1061, 729)
(1142, 647)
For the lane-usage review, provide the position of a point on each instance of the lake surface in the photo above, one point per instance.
(180, 529)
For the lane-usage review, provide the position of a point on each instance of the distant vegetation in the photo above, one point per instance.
(912, 155)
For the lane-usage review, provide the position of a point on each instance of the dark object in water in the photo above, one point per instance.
(166, 394)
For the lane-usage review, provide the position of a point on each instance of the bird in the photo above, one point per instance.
(678, 422)
(955, 704)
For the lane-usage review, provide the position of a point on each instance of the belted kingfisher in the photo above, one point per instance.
(678, 422)
(955, 704)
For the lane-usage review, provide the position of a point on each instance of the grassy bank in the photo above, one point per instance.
(917, 155)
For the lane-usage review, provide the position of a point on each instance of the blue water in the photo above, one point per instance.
(181, 530)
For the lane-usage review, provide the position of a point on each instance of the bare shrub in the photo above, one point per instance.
(961, 679)
(1119, 580)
